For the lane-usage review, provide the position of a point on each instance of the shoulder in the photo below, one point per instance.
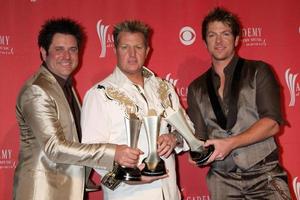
(199, 82)
(259, 68)
(257, 65)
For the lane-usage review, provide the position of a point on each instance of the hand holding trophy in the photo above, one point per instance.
(154, 165)
(133, 126)
(198, 152)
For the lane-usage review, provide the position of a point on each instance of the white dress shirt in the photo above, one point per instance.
(103, 122)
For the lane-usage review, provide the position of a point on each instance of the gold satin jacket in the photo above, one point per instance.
(51, 160)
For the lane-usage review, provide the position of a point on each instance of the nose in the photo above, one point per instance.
(66, 54)
(219, 38)
(132, 51)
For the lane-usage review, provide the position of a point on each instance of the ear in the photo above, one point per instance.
(205, 43)
(147, 50)
(237, 40)
(43, 53)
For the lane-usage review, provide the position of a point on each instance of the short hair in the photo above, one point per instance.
(60, 25)
(221, 15)
(132, 26)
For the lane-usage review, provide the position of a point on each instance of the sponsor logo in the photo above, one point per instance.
(194, 197)
(181, 91)
(5, 48)
(204, 197)
(106, 39)
(296, 187)
(253, 36)
(292, 85)
(187, 35)
(6, 161)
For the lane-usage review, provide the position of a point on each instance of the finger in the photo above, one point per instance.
(207, 143)
(164, 150)
(161, 147)
(168, 153)
(141, 166)
(150, 179)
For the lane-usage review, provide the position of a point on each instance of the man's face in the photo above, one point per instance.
(62, 57)
(131, 53)
(220, 41)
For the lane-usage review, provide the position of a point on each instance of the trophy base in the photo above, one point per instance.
(201, 157)
(128, 174)
(158, 171)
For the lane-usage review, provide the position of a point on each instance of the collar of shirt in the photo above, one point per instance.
(228, 72)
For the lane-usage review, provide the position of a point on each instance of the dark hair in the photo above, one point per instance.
(221, 15)
(133, 26)
(60, 25)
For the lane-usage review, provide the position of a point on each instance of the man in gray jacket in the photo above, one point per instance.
(235, 106)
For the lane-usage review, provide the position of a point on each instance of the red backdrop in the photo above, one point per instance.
(271, 32)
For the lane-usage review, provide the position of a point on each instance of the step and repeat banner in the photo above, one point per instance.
(271, 32)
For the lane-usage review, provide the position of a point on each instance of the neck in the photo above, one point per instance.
(219, 65)
(137, 79)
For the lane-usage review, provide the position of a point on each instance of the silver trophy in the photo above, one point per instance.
(154, 165)
(198, 152)
(133, 126)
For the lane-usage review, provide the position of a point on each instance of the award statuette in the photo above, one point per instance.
(133, 126)
(198, 152)
(154, 165)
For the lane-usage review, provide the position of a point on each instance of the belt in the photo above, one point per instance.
(270, 158)
(273, 156)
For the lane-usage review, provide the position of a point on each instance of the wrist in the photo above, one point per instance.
(178, 138)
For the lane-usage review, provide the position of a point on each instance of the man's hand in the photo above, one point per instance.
(126, 156)
(146, 179)
(166, 144)
(222, 148)
(190, 160)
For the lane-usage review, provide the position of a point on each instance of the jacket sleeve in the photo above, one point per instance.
(41, 113)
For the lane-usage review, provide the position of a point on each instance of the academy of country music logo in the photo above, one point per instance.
(296, 187)
(204, 197)
(181, 91)
(193, 197)
(5, 47)
(253, 36)
(106, 39)
(6, 159)
(187, 35)
(293, 86)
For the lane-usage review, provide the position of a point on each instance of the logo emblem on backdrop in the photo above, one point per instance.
(5, 48)
(170, 80)
(253, 36)
(292, 85)
(106, 39)
(6, 161)
(181, 91)
(187, 35)
(296, 187)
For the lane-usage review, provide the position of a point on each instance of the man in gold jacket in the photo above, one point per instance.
(52, 160)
